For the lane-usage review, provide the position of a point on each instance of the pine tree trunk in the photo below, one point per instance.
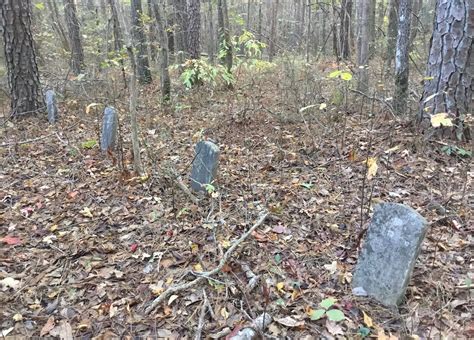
(182, 22)
(23, 75)
(77, 57)
(118, 36)
(139, 42)
(194, 42)
(401, 59)
(273, 30)
(450, 70)
(391, 35)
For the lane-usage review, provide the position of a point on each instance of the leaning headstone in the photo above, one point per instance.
(109, 129)
(204, 165)
(389, 253)
(51, 106)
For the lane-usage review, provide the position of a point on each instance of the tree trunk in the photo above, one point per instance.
(57, 24)
(194, 43)
(139, 42)
(260, 19)
(335, 38)
(363, 45)
(118, 36)
(182, 22)
(211, 45)
(415, 21)
(273, 30)
(309, 32)
(164, 53)
(450, 69)
(346, 10)
(391, 34)
(77, 55)
(23, 75)
(401, 59)
(225, 44)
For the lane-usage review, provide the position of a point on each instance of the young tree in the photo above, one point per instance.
(450, 70)
(391, 34)
(273, 30)
(225, 44)
(139, 42)
(401, 58)
(23, 75)
(57, 24)
(194, 43)
(77, 53)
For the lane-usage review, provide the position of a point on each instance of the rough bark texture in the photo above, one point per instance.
(391, 34)
(181, 32)
(346, 10)
(273, 30)
(401, 57)
(57, 24)
(363, 45)
(194, 43)
(450, 69)
(118, 36)
(23, 75)
(77, 53)
(139, 42)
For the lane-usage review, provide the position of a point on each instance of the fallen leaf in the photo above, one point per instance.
(280, 229)
(133, 247)
(10, 240)
(372, 167)
(290, 322)
(86, 212)
(368, 320)
(280, 286)
(17, 317)
(332, 268)
(317, 314)
(63, 331)
(171, 299)
(224, 313)
(5, 332)
(441, 119)
(334, 328)
(335, 315)
(49, 325)
(90, 106)
(197, 267)
(10, 282)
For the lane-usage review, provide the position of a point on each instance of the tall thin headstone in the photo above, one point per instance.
(204, 165)
(389, 253)
(109, 129)
(51, 106)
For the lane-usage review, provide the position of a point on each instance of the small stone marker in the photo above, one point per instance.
(389, 253)
(204, 165)
(51, 106)
(109, 129)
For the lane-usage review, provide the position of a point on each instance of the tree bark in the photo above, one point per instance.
(363, 45)
(194, 42)
(273, 30)
(77, 53)
(181, 32)
(23, 75)
(139, 42)
(346, 10)
(391, 35)
(118, 36)
(401, 58)
(224, 36)
(57, 24)
(165, 81)
(450, 70)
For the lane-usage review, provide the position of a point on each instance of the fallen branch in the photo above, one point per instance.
(254, 330)
(170, 171)
(197, 336)
(205, 275)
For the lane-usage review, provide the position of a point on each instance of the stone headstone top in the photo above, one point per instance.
(51, 106)
(109, 129)
(389, 253)
(204, 165)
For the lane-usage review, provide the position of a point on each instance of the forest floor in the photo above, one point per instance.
(86, 246)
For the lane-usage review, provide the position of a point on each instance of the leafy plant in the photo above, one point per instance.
(199, 71)
(89, 144)
(456, 150)
(332, 314)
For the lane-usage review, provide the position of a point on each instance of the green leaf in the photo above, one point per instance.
(280, 302)
(40, 6)
(278, 258)
(346, 76)
(89, 144)
(317, 314)
(335, 315)
(307, 185)
(334, 74)
(327, 303)
(363, 331)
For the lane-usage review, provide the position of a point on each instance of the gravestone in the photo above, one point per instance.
(51, 106)
(389, 253)
(204, 165)
(109, 129)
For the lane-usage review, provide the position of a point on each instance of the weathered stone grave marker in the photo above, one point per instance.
(204, 165)
(109, 129)
(51, 106)
(389, 253)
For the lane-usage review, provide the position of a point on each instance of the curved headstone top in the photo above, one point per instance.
(389, 253)
(109, 129)
(204, 165)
